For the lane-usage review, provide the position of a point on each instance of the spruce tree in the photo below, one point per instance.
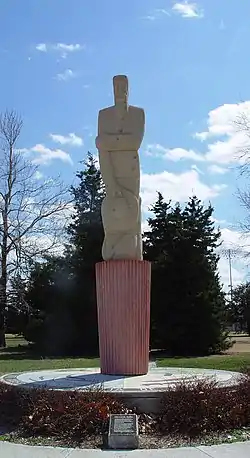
(86, 231)
(239, 307)
(86, 238)
(66, 286)
(188, 305)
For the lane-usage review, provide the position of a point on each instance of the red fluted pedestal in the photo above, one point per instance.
(123, 303)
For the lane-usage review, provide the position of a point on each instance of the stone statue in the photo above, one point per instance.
(120, 133)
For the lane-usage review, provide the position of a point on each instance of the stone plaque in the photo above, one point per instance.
(123, 431)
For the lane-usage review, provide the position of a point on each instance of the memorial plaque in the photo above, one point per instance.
(123, 431)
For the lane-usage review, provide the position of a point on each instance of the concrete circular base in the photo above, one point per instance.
(143, 392)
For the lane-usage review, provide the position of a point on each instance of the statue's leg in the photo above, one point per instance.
(120, 246)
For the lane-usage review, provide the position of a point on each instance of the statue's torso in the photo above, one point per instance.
(119, 129)
(120, 133)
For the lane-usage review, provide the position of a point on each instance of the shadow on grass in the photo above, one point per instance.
(162, 354)
(18, 349)
(30, 354)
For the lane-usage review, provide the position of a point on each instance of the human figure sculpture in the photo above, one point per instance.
(120, 134)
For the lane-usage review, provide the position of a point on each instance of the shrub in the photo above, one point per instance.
(189, 410)
(14, 404)
(202, 407)
(57, 413)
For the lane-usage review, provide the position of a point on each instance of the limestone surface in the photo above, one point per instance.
(157, 379)
(120, 134)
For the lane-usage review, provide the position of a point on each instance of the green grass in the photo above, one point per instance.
(23, 365)
(223, 362)
(17, 357)
(14, 341)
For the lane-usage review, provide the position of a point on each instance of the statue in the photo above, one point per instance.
(123, 278)
(120, 134)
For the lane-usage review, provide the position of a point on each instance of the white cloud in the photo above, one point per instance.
(217, 169)
(238, 275)
(218, 221)
(70, 139)
(222, 123)
(42, 47)
(162, 11)
(66, 75)
(44, 156)
(194, 167)
(227, 139)
(239, 246)
(178, 187)
(68, 48)
(221, 120)
(63, 48)
(228, 151)
(188, 10)
(174, 154)
(156, 14)
(236, 241)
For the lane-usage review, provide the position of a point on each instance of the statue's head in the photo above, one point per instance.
(120, 83)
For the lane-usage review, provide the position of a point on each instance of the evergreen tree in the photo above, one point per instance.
(239, 307)
(188, 305)
(63, 289)
(86, 230)
(86, 237)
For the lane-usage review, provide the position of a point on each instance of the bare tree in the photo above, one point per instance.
(31, 211)
(241, 126)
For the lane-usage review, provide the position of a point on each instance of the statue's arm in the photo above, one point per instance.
(103, 140)
(116, 141)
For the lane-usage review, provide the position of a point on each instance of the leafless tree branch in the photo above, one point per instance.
(32, 213)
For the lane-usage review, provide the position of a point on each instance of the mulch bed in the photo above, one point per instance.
(146, 441)
(191, 414)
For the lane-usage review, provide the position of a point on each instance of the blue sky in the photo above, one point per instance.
(188, 67)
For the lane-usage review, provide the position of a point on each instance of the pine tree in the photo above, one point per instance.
(86, 230)
(66, 285)
(86, 237)
(239, 307)
(188, 305)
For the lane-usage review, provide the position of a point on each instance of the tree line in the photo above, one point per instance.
(51, 298)
(188, 306)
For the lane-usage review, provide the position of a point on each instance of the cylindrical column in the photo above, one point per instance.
(123, 304)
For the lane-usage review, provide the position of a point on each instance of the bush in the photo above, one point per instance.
(57, 414)
(202, 407)
(14, 404)
(190, 410)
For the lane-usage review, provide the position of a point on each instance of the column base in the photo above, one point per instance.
(123, 304)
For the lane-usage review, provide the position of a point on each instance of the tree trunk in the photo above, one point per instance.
(2, 313)
(2, 339)
(3, 283)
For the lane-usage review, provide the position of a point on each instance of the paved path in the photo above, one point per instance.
(237, 450)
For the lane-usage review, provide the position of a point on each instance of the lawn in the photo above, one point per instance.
(17, 357)
(224, 362)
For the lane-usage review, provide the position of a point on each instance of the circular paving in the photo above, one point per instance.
(156, 380)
